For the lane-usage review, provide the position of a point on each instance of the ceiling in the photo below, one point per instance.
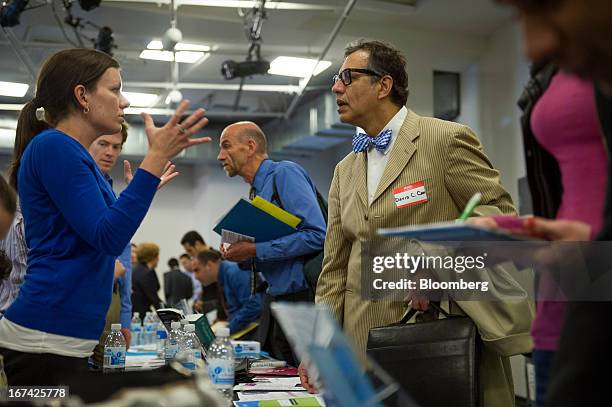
(301, 33)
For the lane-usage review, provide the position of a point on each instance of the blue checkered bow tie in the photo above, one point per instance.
(362, 142)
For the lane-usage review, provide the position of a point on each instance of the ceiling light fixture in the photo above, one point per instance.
(186, 57)
(105, 41)
(174, 96)
(13, 89)
(244, 4)
(138, 99)
(298, 67)
(10, 11)
(181, 46)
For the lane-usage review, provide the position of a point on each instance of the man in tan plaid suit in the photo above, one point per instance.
(442, 161)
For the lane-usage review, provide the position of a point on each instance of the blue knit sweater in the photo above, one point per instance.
(75, 228)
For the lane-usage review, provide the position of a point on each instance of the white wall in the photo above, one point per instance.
(470, 98)
(491, 88)
(425, 52)
(503, 71)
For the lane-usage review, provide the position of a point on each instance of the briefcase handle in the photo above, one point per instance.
(411, 312)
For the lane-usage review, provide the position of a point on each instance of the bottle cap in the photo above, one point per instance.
(115, 327)
(223, 332)
(175, 325)
(190, 328)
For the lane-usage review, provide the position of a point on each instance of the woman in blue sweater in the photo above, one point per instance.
(75, 225)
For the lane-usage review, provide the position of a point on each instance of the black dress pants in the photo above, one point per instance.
(271, 335)
(41, 369)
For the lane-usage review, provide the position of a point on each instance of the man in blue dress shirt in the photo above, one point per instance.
(242, 307)
(243, 152)
(105, 151)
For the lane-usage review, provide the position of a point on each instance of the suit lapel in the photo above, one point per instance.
(360, 166)
(402, 151)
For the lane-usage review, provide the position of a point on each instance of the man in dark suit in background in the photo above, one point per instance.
(177, 285)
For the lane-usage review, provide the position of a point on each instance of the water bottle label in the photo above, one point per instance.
(221, 372)
(114, 357)
(150, 327)
(192, 362)
(170, 352)
(136, 328)
(161, 334)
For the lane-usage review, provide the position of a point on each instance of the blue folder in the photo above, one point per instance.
(247, 219)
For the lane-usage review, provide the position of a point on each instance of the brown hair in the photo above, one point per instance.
(124, 133)
(58, 77)
(208, 255)
(8, 197)
(386, 60)
(191, 238)
(533, 5)
(147, 252)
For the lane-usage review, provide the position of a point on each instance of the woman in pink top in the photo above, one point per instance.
(564, 121)
(566, 169)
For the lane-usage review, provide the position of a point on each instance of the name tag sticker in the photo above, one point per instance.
(410, 194)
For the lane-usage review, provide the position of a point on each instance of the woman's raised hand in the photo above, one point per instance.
(172, 138)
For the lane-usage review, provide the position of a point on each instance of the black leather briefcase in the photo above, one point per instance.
(435, 362)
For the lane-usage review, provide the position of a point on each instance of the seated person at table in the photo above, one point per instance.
(242, 308)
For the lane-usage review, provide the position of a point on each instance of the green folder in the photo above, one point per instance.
(204, 332)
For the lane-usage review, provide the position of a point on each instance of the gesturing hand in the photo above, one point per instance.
(167, 176)
(172, 138)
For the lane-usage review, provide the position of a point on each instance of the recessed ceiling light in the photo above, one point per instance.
(13, 89)
(298, 67)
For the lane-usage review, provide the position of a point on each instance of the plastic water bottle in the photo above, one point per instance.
(190, 348)
(220, 358)
(149, 329)
(160, 337)
(136, 328)
(172, 343)
(114, 351)
(184, 323)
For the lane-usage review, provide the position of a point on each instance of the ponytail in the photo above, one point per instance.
(28, 127)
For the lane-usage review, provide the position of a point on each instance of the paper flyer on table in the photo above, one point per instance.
(270, 395)
(310, 401)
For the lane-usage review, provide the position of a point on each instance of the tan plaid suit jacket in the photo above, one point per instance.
(449, 159)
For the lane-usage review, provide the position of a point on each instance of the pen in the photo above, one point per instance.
(469, 207)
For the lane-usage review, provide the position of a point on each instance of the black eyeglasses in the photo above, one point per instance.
(346, 77)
